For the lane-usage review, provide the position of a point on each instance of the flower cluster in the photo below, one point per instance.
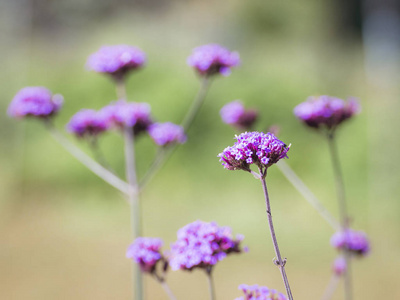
(325, 111)
(87, 122)
(35, 101)
(213, 59)
(122, 114)
(236, 115)
(202, 245)
(116, 60)
(255, 292)
(167, 133)
(146, 252)
(353, 241)
(262, 149)
(339, 266)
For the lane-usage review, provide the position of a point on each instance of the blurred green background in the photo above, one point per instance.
(64, 232)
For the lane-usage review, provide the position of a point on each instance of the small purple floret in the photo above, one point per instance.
(236, 115)
(213, 59)
(262, 149)
(353, 241)
(145, 252)
(87, 122)
(339, 266)
(325, 111)
(116, 60)
(122, 114)
(167, 133)
(255, 292)
(202, 245)
(35, 101)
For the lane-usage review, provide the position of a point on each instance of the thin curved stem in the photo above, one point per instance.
(163, 155)
(88, 162)
(300, 186)
(279, 261)
(211, 287)
(340, 191)
(331, 288)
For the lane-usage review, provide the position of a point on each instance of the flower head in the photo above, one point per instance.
(353, 241)
(35, 101)
(213, 59)
(87, 122)
(235, 114)
(262, 149)
(116, 60)
(339, 266)
(145, 252)
(165, 134)
(325, 111)
(255, 292)
(202, 245)
(122, 114)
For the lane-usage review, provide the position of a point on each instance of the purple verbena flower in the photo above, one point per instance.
(325, 111)
(213, 59)
(145, 252)
(167, 133)
(35, 101)
(202, 245)
(87, 122)
(353, 241)
(116, 60)
(262, 149)
(236, 115)
(123, 114)
(255, 292)
(339, 266)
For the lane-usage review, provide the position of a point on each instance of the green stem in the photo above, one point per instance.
(279, 261)
(211, 287)
(332, 286)
(340, 191)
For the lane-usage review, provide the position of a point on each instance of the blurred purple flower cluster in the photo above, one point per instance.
(213, 59)
(87, 122)
(167, 133)
(145, 252)
(236, 115)
(116, 60)
(325, 111)
(339, 266)
(35, 101)
(261, 149)
(202, 245)
(355, 242)
(255, 292)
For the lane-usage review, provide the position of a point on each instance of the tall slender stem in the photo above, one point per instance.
(134, 204)
(211, 287)
(332, 286)
(279, 262)
(163, 155)
(300, 186)
(133, 194)
(88, 162)
(342, 207)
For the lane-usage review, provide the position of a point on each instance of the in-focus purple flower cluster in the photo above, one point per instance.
(167, 133)
(355, 242)
(261, 149)
(255, 292)
(339, 266)
(213, 59)
(116, 60)
(146, 252)
(87, 122)
(325, 111)
(236, 115)
(202, 245)
(35, 101)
